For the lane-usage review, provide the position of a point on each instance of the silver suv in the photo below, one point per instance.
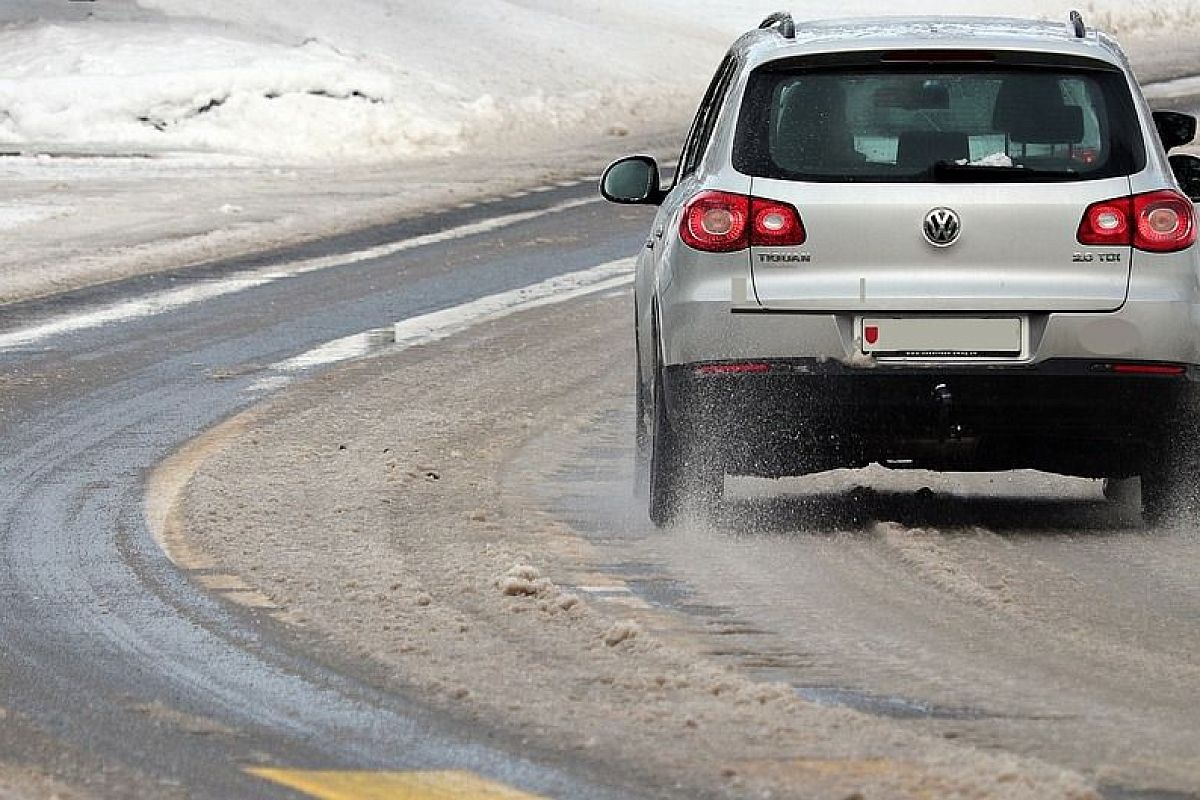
(952, 244)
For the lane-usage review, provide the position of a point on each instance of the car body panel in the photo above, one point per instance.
(1017, 250)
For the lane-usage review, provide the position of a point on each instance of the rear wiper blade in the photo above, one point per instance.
(951, 171)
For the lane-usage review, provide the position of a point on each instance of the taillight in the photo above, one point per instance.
(1157, 222)
(1107, 223)
(716, 222)
(1166, 222)
(775, 224)
(722, 222)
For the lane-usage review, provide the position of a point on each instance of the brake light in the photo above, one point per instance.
(722, 222)
(716, 222)
(1166, 222)
(932, 56)
(1157, 222)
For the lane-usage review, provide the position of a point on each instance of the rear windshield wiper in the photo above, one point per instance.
(954, 172)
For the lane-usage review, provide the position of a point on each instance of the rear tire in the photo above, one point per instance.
(641, 436)
(685, 477)
(1171, 475)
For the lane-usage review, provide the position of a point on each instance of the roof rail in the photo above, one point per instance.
(1077, 24)
(781, 20)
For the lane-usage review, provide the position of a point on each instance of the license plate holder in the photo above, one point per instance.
(943, 338)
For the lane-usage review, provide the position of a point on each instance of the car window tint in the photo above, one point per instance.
(706, 117)
(906, 125)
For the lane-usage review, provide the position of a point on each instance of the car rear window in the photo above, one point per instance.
(929, 122)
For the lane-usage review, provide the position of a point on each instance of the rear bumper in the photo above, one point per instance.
(700, 330)
(790, 416)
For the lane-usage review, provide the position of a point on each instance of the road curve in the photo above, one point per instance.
(118, 674)
(1022, 614)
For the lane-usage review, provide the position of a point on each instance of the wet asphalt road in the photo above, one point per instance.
(1002, 614)
(1020, 612)
(117, 673)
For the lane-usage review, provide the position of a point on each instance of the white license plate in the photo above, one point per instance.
(942, 337)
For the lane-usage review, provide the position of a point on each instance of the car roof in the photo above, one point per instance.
(928, 32)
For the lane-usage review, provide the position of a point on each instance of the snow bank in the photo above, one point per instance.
(372, 80)
(165, 87)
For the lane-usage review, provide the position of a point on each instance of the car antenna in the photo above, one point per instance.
(783, 21)
(1077, 23)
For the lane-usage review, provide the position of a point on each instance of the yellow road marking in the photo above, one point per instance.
(333, 785)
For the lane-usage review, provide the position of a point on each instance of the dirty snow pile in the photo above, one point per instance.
(379, 80)
(139, 87)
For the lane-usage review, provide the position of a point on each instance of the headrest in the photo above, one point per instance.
(1062, 125)
(811, 124)
(1031, 110)
(811, 107)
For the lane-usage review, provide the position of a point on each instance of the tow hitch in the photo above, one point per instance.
(944, 399)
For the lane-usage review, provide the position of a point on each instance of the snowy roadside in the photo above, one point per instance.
(67, 222)
(207, 129)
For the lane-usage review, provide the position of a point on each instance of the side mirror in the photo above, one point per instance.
(1187, 172)
(633, 180)
(1175, 129)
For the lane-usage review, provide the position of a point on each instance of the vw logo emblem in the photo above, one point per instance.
(942, 227)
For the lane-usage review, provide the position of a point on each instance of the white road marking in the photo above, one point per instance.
(343, 349)
(268, 384)
(132, 309)
(438, 325)
(169, 300)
